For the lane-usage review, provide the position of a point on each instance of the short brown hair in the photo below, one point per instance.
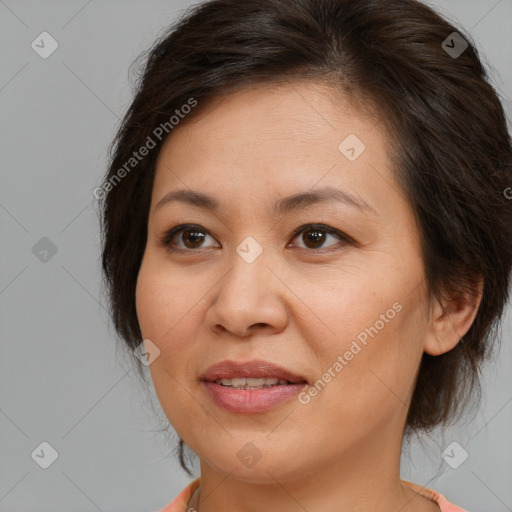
(452, 150)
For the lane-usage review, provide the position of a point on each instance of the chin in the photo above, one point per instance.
(256, 466)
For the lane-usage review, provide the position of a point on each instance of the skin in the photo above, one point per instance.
(299, 305)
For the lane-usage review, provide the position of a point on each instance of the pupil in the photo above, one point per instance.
(196, 236)
(318, 237)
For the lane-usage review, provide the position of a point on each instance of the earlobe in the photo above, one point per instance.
(451, 320)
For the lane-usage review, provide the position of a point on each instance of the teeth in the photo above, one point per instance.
(251, 382)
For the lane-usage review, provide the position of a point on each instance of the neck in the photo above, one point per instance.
(361, 480)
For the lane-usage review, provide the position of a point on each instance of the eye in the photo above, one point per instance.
(192, 236)
(315, 235)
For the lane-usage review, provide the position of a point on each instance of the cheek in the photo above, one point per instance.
(166, 316)
(374, 345)
(147, 297)
(163, 300)
(378, 364)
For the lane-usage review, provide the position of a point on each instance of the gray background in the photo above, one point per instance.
(62, 380)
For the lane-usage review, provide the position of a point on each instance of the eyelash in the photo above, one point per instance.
(165, 240)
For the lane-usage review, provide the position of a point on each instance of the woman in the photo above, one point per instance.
(306, 238)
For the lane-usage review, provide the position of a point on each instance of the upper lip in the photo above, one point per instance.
(256, 369)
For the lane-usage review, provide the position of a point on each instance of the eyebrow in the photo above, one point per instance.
(281, 207)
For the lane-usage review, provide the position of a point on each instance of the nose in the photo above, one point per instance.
(250, 299)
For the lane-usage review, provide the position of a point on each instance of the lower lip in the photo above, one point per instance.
(252, 400)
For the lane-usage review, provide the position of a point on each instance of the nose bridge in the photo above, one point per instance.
(247, 294)
(249, 250)
(248, 266)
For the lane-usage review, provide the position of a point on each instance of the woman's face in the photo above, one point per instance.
(342, 304)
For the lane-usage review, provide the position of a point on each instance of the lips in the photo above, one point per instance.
(249, 369)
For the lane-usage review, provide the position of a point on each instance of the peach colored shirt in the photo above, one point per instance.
(179, 503)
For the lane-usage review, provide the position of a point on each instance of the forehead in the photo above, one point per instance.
(285, 137)
(305, 115)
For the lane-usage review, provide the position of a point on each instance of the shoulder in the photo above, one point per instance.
(435, 496)
(179, 503)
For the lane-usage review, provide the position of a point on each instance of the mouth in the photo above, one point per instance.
(247, 400)
(253, 382)
(252, 374)
(251, 387)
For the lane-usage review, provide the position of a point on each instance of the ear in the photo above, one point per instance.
(450, 320)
